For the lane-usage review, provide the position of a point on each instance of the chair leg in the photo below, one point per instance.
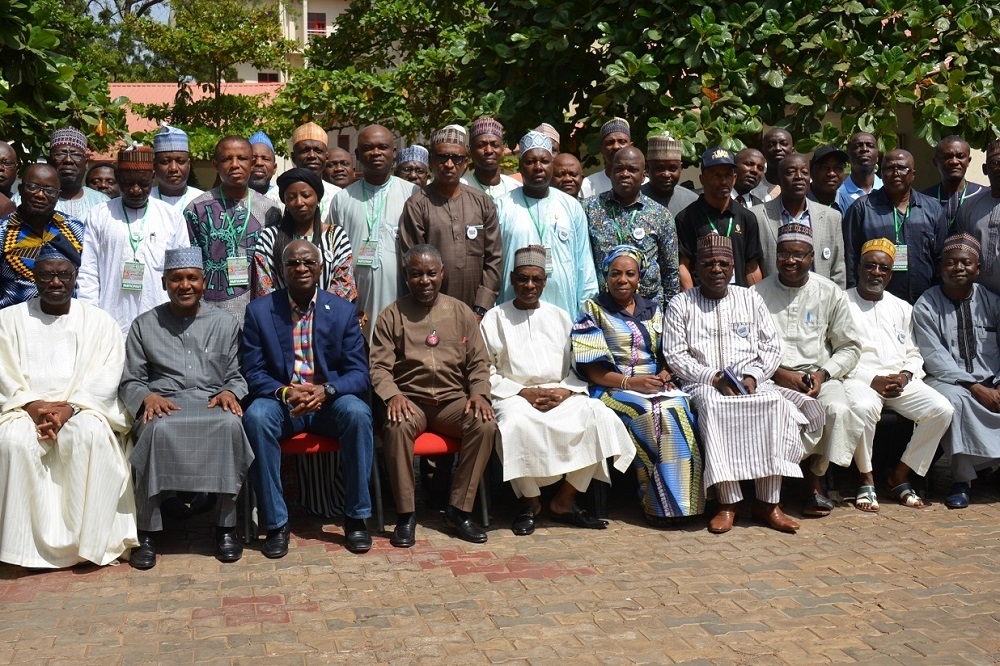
(600, 499)
(377, 492)
(249, 501)
(484, 494)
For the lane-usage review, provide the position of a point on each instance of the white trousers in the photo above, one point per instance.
(768, 490)
(530, 486)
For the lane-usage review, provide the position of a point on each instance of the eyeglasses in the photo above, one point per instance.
(49, 276)
(875, 267)
(525, 279)
(74, 155)
(444, 158)
(295, 263)
(796, 256)
(901, 170)
(35, 188)
(7, 165)
(413, 169)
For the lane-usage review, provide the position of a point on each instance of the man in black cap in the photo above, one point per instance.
(827, 172)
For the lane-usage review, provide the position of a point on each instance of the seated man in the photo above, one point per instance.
(66, 487)
(429, 366)
(891, 366)
(955, 325)
(181, 368)
(548, 425)
(715, 335)
(304, 358)
(821, 346)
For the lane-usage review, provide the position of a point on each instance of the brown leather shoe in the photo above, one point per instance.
(772, 516)
(723, 520)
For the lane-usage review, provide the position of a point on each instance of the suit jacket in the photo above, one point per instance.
(268, 354)
(828, 239)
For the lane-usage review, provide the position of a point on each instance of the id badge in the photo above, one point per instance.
(900, 262)
(238, 270)
(132, 275)
(549, 267)
(368, 255)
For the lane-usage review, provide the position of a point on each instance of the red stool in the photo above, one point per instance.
(306, 443)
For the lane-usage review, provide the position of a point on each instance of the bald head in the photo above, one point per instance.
(567, 174)
(339, 166)
(628, 169)
(777, 144)
(376, 153)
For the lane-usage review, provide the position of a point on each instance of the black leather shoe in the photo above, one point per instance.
(405, 534)
(276, 543)
(227, 544)
(144, 557)
(524, 522)
(358, 538)
(461, 522)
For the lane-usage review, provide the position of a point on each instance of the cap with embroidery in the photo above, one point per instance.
(532, 255)
(881, 245)
(183, 257)
(664, 147)
(962, 242)
(535, 140)
(454, 134)
(260, 137)
(715, 157)
(310, 132)
(616, 125)
(58, 249)
(136, 158)
(485, 126)
(795, 232)
(714, 244)
(413, 153)
(549, 131)
(170, 139)
(68, 136)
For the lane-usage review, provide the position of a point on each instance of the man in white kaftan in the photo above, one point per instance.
(549, 427)
(369, 211)
(750, 432)
(65, 486)
(124, 243)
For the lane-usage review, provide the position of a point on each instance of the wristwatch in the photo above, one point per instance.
(479, 310)
(329, 390)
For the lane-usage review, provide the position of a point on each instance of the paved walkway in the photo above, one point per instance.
(903, 586)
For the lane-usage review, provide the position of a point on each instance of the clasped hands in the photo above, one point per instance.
(49, 417)
(159, 406)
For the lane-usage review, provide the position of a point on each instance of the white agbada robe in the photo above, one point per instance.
(381, 283)
(531, 349)
(177, 203)
(595, 184)
(329, 192)
(505, 186)
(107, 246)
(71, 500)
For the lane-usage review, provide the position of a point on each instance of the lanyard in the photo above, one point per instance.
(895, 220)
(716, 229)
(483, 187)
(230, 220)
(376, 214)
(135, 238)
(622, 236)
(539, 227)
(960, 202)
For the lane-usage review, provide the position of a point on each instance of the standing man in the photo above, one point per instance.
(101, 177)
(750, 189)
(615, 135)
(309, 148)
(951, 157)
(460, 221)
(263, 168)
(540, 215)
(35, 223)
(304, 359)
(792, 206)
(980, 217)
(862, 153)
(719, 327)
(567, 174)
(413, 164)
(777, 144)
(430, 367)
(715, 212)
(8, 169)
(182, 384)
(955, 325)
(891, 367)
(486, 150)
(125, 242)
(826, 169)
(68, 155)
(339, 167)
(369, 211)
(626, 216)
(911, 220)
(224, 224)
(173, 168)
(821, 347)
(663, 161)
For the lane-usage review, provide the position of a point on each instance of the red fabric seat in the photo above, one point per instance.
(307, 442)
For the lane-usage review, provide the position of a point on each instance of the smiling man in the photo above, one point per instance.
(538, 214)
(777, 144)
(125, 243)
(663, 161)
(309, 148)
(173, 168)
(826, 170)
(615, 135)
(913, 221)
(68, 155)
(487, 149)
(224, 224)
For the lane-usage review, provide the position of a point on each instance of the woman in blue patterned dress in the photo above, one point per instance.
(617, 349)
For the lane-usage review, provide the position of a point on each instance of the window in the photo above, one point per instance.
(267, 77)
(316, 24)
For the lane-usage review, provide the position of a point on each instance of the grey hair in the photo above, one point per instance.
(420, 250)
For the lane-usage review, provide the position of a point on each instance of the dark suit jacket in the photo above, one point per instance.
(828, 239)
(268, 353)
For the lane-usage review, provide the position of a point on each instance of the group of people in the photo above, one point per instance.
(167, 340)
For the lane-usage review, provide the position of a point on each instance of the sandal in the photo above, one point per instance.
(907, 496)
(866, 500)
(579, 518)
(817, 506)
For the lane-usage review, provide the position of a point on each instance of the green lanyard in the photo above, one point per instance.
(230, 221)
(960, 202)
(729, 231)
(376, 214)
(622, 236)
(539, 227)
(895, 220)
(483, 187)
(135, 238)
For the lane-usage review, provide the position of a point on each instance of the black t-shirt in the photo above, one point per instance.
(699, 219)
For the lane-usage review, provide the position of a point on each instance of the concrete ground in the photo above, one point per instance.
(901, 586)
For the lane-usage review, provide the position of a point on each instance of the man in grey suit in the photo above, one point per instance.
(792, 206)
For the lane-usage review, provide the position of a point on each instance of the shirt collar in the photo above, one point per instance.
(295, 308)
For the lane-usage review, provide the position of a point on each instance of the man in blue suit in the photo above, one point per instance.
(304, 361)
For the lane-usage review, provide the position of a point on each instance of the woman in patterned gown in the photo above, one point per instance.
(617, 349)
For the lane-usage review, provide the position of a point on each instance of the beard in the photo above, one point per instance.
(259, 185)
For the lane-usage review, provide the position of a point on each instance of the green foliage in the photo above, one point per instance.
(41, 89)
(395, 62)
(717, 72)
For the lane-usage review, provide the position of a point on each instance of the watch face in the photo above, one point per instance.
(329, 389)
